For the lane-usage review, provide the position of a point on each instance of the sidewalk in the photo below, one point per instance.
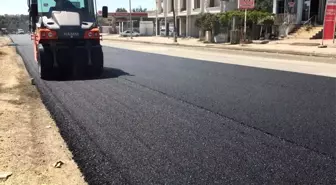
(286, 46)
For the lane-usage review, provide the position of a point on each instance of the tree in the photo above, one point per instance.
(13, 22)
(253, 16)
(206, 21)
(139, 9)
(264, 5)
(121, 10)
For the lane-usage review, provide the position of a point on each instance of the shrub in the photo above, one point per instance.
(206, 21)
(267, 20)
(253, 16)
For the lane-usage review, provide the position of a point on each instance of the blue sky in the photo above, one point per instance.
(20, 6)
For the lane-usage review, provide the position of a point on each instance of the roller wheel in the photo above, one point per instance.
(45, 65)
(97, 67)
(79, 64)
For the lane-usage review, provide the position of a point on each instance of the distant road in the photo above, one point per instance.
(158, 119)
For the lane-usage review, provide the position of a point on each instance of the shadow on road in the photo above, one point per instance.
(107, 74)
(113, 73)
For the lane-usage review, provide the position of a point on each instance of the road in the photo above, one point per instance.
(159, 119)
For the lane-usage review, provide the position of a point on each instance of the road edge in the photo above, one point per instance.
(50, 106)
(82, 149)
(36, 137)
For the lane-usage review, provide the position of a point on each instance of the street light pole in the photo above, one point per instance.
(175, 37)
(130, 12)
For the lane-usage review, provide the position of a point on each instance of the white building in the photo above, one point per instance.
(186, 12)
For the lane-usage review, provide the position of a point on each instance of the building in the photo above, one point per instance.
(303, 10)
(186, 12)
(121, 19)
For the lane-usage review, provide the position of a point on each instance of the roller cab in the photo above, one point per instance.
(66, 38)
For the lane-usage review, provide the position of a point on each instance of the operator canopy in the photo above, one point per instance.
(84, 7)
(54, 14)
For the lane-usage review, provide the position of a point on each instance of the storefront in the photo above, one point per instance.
(305, 10)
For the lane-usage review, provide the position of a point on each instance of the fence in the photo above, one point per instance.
(253, 31)
(285, 18)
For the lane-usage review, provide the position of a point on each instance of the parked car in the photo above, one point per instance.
(127, 33)
(4, 31)
(20, 31)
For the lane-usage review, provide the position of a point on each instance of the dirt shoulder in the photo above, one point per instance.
(30, 143)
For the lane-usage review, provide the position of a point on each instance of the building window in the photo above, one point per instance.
(197, 4)
(184, 5)
(212, 3)
(281, 7)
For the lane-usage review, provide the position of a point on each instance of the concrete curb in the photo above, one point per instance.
(234, 48)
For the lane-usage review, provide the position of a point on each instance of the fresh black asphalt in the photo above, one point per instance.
(155, 119)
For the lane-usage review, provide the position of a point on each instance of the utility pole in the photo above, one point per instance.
(130, 12)
(175, 37)
(245, 17)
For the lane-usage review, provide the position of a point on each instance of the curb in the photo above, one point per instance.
(234, 48)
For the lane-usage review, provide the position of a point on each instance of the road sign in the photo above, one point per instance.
(329, 20)
(246, 4)
(291, 4)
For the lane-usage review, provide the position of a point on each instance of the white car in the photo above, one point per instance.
(127, 33)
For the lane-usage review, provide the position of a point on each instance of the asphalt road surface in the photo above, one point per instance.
(156, 119)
